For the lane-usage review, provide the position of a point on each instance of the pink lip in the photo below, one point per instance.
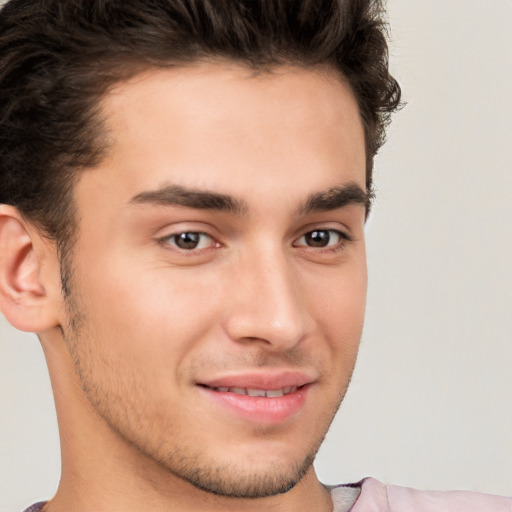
(260, 380)
(263, 410)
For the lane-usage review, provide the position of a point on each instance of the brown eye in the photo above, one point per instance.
(187, 240)
(318, 238)
(190, 240)
(322, 238)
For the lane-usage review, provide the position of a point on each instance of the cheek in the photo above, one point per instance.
(338, 305)
(152, 316)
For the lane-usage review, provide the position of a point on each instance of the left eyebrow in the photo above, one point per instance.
(336, 197)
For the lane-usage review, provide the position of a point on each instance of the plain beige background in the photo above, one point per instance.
(431, 400)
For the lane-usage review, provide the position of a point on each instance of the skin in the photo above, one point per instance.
(148, 323)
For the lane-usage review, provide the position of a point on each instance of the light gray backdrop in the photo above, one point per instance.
(431, 400)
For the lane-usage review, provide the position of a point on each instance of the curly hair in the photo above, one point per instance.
(59, 57)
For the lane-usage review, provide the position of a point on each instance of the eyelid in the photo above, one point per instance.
(344, 238)
(166, 241)
(343, 232)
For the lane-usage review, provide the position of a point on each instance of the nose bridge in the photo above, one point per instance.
(267, 303)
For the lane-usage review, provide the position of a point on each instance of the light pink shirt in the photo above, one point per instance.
(377, 497)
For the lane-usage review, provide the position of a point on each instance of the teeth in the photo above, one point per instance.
(272, 393)
(256, 392)
(269, 393)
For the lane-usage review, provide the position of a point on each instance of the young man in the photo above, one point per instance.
(184, 186)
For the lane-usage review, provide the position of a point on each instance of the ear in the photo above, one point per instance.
(29, 274)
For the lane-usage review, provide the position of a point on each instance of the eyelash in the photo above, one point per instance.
(168, 240)
(343, 238)
(340, 244)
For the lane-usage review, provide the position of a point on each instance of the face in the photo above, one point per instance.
(219, 277)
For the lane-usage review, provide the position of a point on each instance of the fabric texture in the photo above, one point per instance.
(36, 507)
(377, 497)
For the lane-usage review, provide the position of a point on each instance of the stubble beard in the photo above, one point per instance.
(183, 460)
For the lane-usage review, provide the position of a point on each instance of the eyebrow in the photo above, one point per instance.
(175, 195)
(337, 197)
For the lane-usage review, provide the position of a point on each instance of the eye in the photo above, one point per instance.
(322, 238)
(189, 241)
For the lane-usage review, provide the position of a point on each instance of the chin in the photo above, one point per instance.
(248, 483)
(251, 471)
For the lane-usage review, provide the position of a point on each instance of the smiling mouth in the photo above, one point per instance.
(265, 393)
(262, 401)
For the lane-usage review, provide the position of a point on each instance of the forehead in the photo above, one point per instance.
(224, 127)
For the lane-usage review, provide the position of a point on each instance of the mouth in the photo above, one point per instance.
(258, 399)
(254, 392)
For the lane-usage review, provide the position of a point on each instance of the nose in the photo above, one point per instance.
(267, 304)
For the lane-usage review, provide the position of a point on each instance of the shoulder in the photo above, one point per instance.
(377, 497)
(36, 507)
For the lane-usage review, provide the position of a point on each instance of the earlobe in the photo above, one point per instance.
(25, 299)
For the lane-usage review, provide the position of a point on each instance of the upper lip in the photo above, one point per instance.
(265, 380)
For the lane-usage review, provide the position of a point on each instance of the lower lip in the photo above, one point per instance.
(260, 409)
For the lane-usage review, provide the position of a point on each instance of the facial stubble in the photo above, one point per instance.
(119, 404)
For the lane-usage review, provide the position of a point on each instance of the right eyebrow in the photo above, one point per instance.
(174, 195)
